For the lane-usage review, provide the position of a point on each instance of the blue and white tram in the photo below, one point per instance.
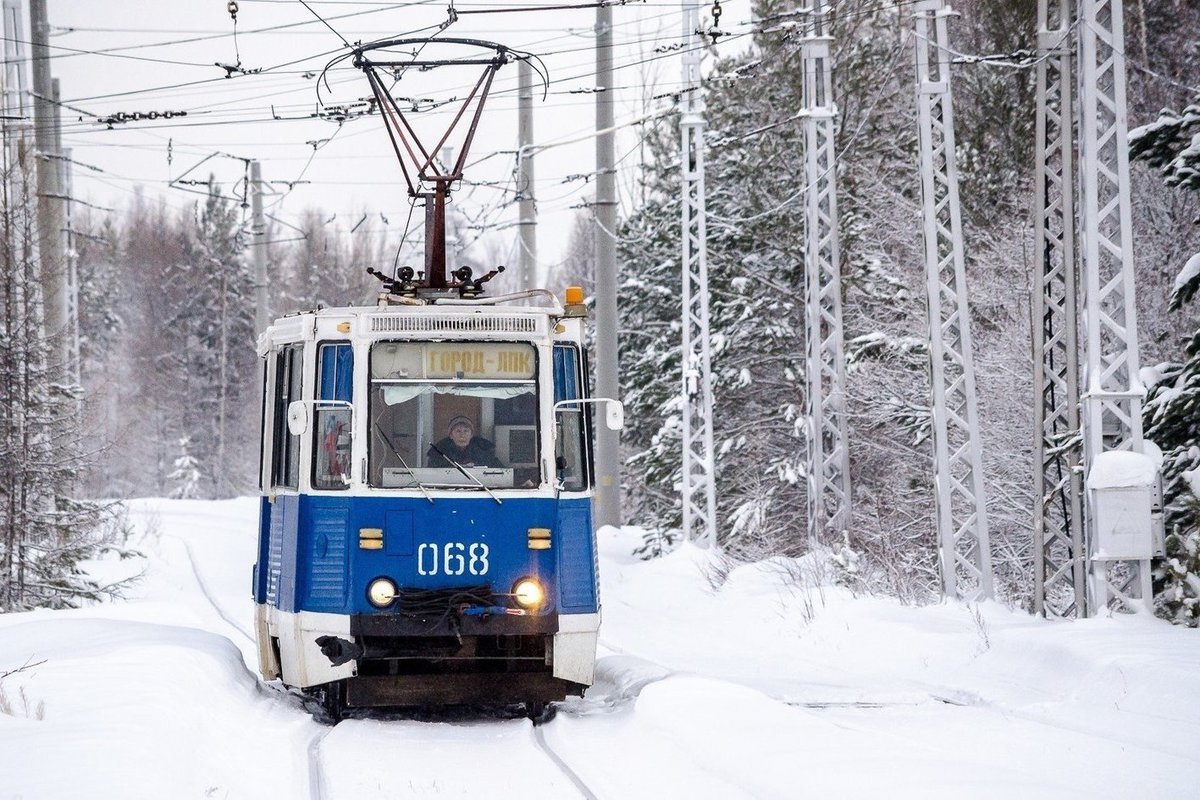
(392, 574)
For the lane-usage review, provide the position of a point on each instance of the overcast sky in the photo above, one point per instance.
(159, 56)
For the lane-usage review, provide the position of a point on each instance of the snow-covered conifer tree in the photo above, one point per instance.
(1172, 410)
(44, 533)
(215, 315)
(755, 182)
(186, 473)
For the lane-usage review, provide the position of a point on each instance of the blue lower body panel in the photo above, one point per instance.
(310, 559)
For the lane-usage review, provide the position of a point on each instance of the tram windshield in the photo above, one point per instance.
(454, 414)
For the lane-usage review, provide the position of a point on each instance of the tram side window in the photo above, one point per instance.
(262, 426)
(285, 463)
(335, 376)
(570, 433)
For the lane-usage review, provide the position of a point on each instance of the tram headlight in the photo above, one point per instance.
(529, 593)
(381, 592)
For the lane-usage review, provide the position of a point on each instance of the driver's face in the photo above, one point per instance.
(461, 435)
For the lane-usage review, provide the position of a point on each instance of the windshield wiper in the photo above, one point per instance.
(463, 470)
(403, 463)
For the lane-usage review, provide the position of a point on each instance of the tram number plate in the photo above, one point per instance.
(452, 558)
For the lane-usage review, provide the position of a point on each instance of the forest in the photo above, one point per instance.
(168, 393)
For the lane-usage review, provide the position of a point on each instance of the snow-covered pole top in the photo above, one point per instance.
(691, 100)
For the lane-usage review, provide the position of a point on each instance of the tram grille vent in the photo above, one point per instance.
(455, 323)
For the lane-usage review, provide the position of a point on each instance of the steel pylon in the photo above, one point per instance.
(699, 467)
(961, 513)
(1060, 563)
(16, 104)
(1112, 402)
(829, 491)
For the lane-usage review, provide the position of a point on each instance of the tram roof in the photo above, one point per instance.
(502, 316)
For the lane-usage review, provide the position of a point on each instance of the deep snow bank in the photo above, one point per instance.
(715, 681)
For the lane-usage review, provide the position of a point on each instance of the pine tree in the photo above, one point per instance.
(44, 532)
(186, 472)
(327, 265)
(100, 318)
(136, 377)
(1172, 410)
(216, 316)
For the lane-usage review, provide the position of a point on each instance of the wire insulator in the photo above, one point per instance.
(715, 32)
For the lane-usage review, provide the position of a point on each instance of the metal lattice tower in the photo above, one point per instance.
(14, 115)
(961, 513)
(15, 102)
(1112, 406)
(1060, 563)
(829, 498)
(699, 484)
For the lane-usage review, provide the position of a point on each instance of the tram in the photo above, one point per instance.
(426, 534)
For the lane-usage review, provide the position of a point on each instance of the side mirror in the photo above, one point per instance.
(297, 418)
(614, 411)
(614, 415)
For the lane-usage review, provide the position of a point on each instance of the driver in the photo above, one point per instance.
(461, 446)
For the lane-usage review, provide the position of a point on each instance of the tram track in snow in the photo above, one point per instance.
(316, 773)
(317, 779)
(207, 592)
(539, 739)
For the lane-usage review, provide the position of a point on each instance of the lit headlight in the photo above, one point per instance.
(381, 592)
(529, 593)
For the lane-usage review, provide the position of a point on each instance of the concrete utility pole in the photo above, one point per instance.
(528, 206)
(966, 560)
(1112, 400)
(829, 496)
(70, 256)
(608, 466)
(1060, 563)
(66, 178)
(258, 245)
(699, 459)
(51, 213)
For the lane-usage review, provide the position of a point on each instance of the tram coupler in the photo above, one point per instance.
(339, 651)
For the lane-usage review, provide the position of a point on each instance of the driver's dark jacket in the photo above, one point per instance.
(479, 452)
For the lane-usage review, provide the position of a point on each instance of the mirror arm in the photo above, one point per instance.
(616, 410)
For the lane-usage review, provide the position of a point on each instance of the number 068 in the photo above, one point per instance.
(452, 558)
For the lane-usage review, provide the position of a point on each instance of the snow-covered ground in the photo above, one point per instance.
(758, 681)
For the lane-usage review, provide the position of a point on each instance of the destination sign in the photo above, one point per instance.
(461, 360)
